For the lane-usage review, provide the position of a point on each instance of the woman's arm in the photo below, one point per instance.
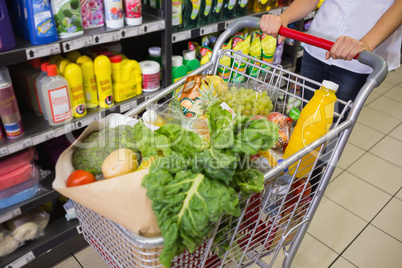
(347, 48)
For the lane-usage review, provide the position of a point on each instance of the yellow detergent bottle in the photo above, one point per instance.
(103, 73)
(315, 121)
(125, 78)
(88, 81)
(61, 65)
(73, 56)
(73, 75)
(55, 58)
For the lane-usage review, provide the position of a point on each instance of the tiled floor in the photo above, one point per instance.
(359, 220)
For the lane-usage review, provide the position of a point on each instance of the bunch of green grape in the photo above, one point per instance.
(247, 101)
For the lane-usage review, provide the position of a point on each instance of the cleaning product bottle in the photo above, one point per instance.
(56, 97)
(73, 56)
(217, 10)
(88, 81)
(73, 76)
(17, 17)
(133, 12)
(31, 82)
(114, 13)
(315, 120)
(124, 78)
(250, 5)
(25, 23)
(55, 58)
(205, 12)
(92, 13)
(241, 9)
(67, 15)
(177, 20)
(61, 65)
(7, 40)
(190, 62)
(150, 71)
(42, 29)
(103, 73)
(178, 69)
(191, 14)
(9, 111)
(272, 4)
(39, 81)
(229, 9)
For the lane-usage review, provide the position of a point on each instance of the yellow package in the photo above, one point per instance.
(255, 52)
(206, 54)
(224, 62)
(241, 44)
(268, 45)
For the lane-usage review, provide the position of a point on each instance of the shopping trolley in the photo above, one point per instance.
(261, 231)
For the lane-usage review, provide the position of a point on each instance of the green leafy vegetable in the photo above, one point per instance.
(249, 181)
(220, 126)
(150, 143)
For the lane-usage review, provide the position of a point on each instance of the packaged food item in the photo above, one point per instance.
(206, 54)
(30, 182)
(150, 75)
(19, 197)
(40, 217)
(8, 244)
(255, 52)
(196, 47)
(16, 160)
(224, 62)
(23, 227)
(190, 91)
(284, 128)
(241, 42)
(268, 45)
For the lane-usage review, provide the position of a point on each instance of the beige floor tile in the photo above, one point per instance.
(387, 106)
(383, 88)
(349, 155)
(378, 172)
(364, 137)
(393, 78)
(335, 226)
(394, 93)
(68, 263)
(390, 219)
(89, 258)
(389, 149)
(357, 196)
(336, 173)
(397, 133)
(377, 120)
(372, 97)
(312, 253)
(342, 263)
(399, 194)
(373, 249)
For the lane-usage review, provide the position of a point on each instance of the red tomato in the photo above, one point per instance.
(80, 177)
(298, 186)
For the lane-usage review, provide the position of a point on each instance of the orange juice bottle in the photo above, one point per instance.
(315, 120)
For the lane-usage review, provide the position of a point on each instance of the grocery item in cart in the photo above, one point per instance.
(225, 63)
(255, 52)
(268, 45)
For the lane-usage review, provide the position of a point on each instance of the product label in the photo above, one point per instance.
(91, 92)
(243, 3)
(13, 130)
(231, 4)
(105, 92)
(114, 10)
(208, 4)
(238, 78)
(8, 103)
(59, 104)
(133, 9)
(150, 81)
(196, 9)
(43, 18)
(78, 100)
(218, 6)
(92, 13)
(121, 94)
(67, 15)
(253, 71)
(224, 73)
(176, 13)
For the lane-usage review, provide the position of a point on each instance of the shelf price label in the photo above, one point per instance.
(20, 145)
(181, 36)
(154, 26)
(3, 151)
(86, 121)
(21, 261)
(130, 32)
(9, 215)
(77, 43)
(64, 129)
(276, 11)
(106, 37)
(128, 106)
(42, 51)
(209, 29)
(79, 229)
(43, 137)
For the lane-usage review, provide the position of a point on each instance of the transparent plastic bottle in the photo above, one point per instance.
(39, 81)
(31, 83)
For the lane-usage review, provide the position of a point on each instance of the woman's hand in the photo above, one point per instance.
(270, 25)
(345, 48)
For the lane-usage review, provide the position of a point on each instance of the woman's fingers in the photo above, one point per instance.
(345, 48)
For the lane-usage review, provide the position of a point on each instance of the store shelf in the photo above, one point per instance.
(38, 130)
(25, 51)
(56, 234)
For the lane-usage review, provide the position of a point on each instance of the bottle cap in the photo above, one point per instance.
(280, 161)
(155, 51)
(36, 63)
(115, 59)
(330, 85)
(189, 54)
(51, 70)
(177, 61)
(44, 65)
(149, 67)
(294, 114)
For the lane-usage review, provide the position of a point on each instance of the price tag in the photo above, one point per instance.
(20, 145)
(64, 129)
(228, 23)
(276, 11)
(86, 121)
(79, 229)
(209, 29)
(154, 26)
(43, 137)
(128, 106)
(300, 53)
(9, 215)
(3, 151)
(21, 261)
(310, 15)
(130, 32)
(42, 51)
(177, 37)
(106, 37)
(77, 43)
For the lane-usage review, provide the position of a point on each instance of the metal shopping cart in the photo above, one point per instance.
(257, 233)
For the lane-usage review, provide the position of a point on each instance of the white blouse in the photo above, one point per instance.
(354, 18)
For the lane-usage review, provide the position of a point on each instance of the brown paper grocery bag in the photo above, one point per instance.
(121, 199)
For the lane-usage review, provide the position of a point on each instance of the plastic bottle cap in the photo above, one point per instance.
(177, 61)
(149, 67)
(155, 51)
(280, 161)
(294, 114)
(330, 85)
(44, 65)
(36, 63)
(115, 59)
(51, 70)
(189, 54)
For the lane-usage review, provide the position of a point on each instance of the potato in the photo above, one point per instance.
(119, 162)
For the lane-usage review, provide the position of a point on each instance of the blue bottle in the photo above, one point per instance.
(24, 19)
(42, 29)
(7, 40)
